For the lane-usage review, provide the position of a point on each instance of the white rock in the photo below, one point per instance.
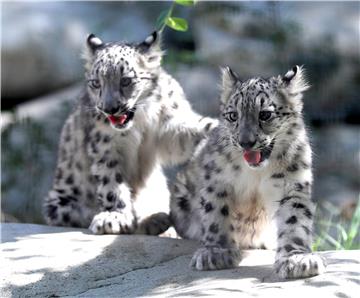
(41, 261)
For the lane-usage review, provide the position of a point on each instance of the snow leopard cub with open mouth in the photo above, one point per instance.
(249, 183)
(133, 118)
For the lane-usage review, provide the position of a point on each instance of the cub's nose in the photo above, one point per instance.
(111, 110)
(247, 143)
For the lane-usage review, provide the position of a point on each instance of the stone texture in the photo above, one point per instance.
(41, 261)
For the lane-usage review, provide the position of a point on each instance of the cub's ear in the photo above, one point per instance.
(93, 42)
(151, 51)
(229, 81)
(294, 82)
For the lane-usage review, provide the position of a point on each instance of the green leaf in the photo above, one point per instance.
(178, 24)
(185, 2)
(161, 18)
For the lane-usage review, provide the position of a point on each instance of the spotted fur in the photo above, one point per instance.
(131, 119)
(230, 204)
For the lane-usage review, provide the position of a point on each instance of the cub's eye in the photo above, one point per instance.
(264, 115)
(124, 82)
(231, 116)
(95, 84)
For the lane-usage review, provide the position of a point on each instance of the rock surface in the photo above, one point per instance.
(41, 261)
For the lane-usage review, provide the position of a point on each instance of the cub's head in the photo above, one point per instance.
(119, 75)
(258, 113)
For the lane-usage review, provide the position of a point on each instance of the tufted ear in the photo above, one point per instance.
(93, 42)
(229, 81)
(294, 82)
(151, 51)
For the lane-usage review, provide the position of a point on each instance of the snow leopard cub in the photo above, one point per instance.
(132, 118)
(249, 183)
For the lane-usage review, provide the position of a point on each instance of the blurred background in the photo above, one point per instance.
(42, 72)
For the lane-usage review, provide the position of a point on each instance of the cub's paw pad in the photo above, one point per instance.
(300, 265)
(215, 258)
(112, 222)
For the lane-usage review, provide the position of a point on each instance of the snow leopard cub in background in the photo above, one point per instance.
(132, 119)
(249, 183)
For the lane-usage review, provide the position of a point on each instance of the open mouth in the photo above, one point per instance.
(120, 121)
(255, 157)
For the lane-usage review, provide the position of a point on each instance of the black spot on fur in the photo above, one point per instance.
(308, 213)
(63, 201)
(208, 126)
(183, 204)
(60, 191)
(207, 176)
(76, 191)
(110, 197)
(236, 167)
(298, 205)
(66, 217)
(70, 179)
(222, 240)
(209, 239)
(222, 194)
(106, 139)
(209, 189)
(298, 241)
(288, 248)
(278, 175)
(214, 228)
(225, 210)
(291, 220)
(118, 178)
(304, 165)
(307, 230)
(79, 166)
(97, 137)
(105, 180)
(52, 211)
(120, 204)
(281, 234)
(293, 168)
(284, 200)
(208, 207)
(299, 187)
(112, 164)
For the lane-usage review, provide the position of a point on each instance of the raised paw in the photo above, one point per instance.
(300, 265)
(215, 258)
(112, 222)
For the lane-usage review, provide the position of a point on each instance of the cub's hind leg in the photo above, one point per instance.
(69, 206)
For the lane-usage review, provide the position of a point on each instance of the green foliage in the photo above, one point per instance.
(339, 235)
(185, 2)
(167, 19)
(178, 24)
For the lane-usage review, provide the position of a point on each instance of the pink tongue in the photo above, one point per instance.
(118, 120)
(252, 157)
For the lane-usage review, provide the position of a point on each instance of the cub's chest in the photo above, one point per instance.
(253, 207)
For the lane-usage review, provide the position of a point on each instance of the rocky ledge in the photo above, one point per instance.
(42, 261)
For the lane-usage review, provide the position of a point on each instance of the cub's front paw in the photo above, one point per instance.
(112, 222)
(215, 258)
(300, 265)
